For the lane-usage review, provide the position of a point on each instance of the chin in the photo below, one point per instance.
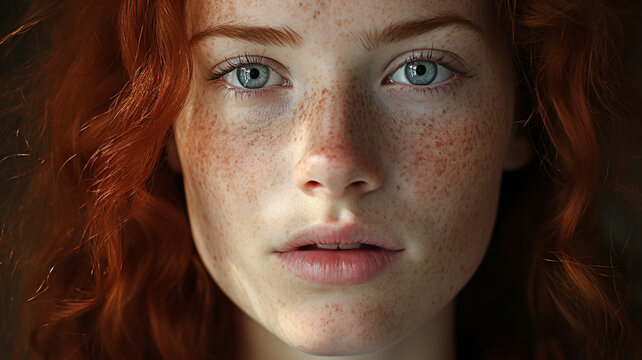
(342, 349)
(342, 342)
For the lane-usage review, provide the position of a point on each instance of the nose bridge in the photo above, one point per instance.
(336, 157)
(331, 124)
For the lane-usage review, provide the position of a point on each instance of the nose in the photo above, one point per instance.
(337, 160)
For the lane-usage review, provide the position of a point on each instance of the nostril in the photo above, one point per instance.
(360, 186)
(313, 184)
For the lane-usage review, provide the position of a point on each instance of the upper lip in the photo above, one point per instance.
(326, 234)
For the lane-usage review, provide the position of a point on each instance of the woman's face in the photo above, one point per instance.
(373, 114)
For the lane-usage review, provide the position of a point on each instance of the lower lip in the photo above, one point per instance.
(339, 267)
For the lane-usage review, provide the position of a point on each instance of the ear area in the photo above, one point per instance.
(519, 152)
(172, 154)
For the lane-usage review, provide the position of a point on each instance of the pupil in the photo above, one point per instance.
(254, 73)
(420, 69)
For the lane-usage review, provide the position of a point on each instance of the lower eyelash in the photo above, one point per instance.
(230, 92)
(234, 92)
(456, 81)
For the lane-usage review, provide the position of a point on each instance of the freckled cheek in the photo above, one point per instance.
(228, 164)
(453, 155)
(224, 177)
(453, 172)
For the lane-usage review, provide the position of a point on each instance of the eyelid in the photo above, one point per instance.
(229, 64)
(444, 58)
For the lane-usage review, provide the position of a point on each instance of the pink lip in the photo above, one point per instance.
(338, 267)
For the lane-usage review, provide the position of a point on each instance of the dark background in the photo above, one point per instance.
(21, 51)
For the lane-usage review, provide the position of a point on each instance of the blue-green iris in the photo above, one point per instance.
(421, 72)
(253, 76)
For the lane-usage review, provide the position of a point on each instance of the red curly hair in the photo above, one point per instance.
(110, 269)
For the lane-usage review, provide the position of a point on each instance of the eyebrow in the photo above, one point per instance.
(285, 36)
(411, 28)
(260, 35)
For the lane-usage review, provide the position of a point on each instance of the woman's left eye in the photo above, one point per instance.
(253, 76)
(420, 72)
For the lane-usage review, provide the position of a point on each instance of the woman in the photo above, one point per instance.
(280, 180)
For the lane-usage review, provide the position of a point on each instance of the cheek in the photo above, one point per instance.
(218, 161)
(206, 159)
(444, 160)
(450, 173)
(229, 168)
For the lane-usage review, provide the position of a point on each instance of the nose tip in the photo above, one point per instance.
(340, 156)
(337, 173)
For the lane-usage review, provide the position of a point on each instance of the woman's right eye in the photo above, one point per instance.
(253, 76)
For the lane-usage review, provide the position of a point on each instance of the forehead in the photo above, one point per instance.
(324, 18)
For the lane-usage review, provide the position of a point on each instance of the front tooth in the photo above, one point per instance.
(346, 247)
(329, 247)
(341, 246)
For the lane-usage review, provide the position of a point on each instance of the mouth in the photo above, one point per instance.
(339, 247)
(339, 255)
(339, 238)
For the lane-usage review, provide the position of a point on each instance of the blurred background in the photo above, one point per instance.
(15, 57)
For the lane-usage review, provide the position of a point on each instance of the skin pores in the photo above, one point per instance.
(336, 143)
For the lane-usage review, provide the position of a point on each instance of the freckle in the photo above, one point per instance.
(398, 187)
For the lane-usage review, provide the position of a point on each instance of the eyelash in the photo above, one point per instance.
(447, 60)
(232, 63)
(444, 59)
